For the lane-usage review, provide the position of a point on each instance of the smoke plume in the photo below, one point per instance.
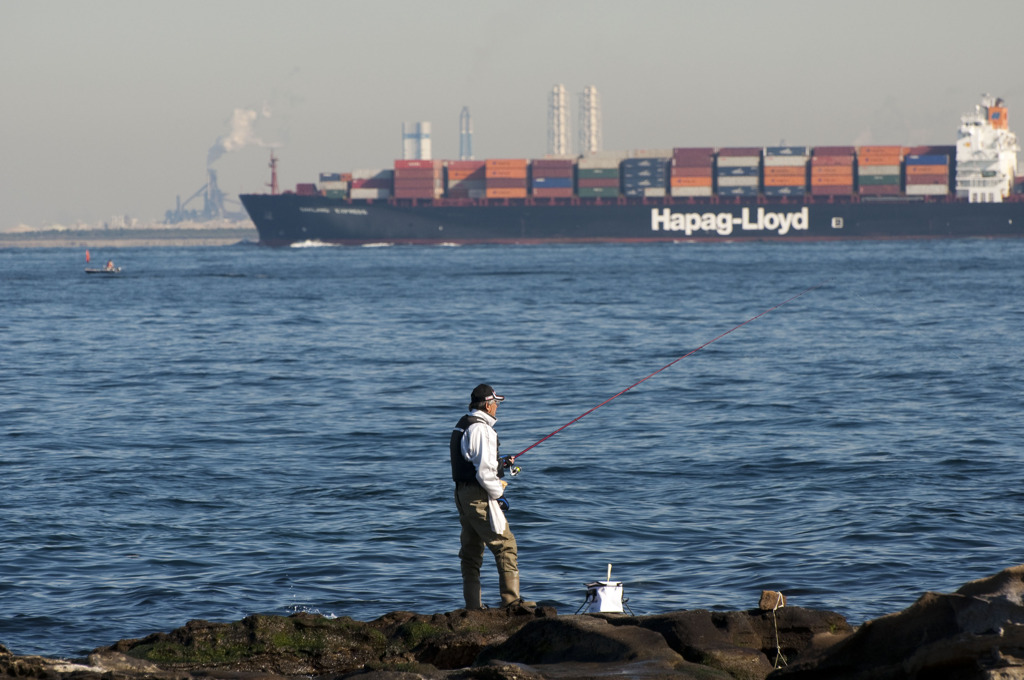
(239, 135)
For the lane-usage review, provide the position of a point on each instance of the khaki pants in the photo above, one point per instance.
(471, 501)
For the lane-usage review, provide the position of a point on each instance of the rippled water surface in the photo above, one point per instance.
(224, 431)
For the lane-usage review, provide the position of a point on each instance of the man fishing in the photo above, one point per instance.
(479, 491)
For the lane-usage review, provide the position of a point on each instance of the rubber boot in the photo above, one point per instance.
(471, 589)
(508, 578)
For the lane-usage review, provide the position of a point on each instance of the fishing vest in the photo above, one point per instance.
(462, 469)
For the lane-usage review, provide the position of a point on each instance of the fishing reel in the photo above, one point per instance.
(508, 465)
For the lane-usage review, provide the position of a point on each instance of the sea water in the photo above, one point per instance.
(222, 431)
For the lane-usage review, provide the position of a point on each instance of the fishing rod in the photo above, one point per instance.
(508, 462)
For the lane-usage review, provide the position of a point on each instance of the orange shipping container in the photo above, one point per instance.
(913, 170)
(880, 159)
(513, 173)
(784, 181)
(880, 149)
(690, 181)
(795, 172)
(832, 171)
(687, 171)
(823, 161)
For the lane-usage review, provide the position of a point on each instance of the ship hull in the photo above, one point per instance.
(282, 220)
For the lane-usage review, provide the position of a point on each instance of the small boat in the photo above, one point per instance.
(115, 270)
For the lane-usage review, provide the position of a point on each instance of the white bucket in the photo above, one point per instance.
(605, 596)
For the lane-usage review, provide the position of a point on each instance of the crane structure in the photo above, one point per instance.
(558, 122)
(465, 135)
(214, 207)
(590, 121)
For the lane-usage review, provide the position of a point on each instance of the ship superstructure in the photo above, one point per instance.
(986, 153)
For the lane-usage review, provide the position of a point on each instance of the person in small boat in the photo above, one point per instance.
(478, 490)
(110, 265)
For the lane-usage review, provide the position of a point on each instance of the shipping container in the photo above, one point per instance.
(636, 163)
(927, 189)
(506, 192)
(880, 150)
(785, 181)
(823, 161)
(305, 189)
(690, 182)
(597, 192)
(866, 180)
(878, 169)
(506, 173)
(742, 181)
(927, 159)
(782, 191)
(373, 183)
(688, 152)
(597, 182)
(831, 190)
(915, 170)
(598, 163)
(832, 171)
(688, 171)
(739, 161)
(834, 151)
(829, 181)
(558, 164)
(568, 174)
(787, 151)
(694, 191)
(467, 166)
(416, 165)
(936, 178)
(881, 190)
(786, 171)
(739, 151)
(369, 194)
(552, 182)
(737, 191)
(738, 171)
(597, 173)
(506, 182)
(541, 192)
(785, 161)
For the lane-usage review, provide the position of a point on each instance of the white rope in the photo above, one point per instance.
(778, 647)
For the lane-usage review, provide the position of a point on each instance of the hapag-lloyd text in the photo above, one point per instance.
(723, 223)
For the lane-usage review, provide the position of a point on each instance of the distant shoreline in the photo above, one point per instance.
(129, 238)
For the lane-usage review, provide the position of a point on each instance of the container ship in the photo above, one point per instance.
(772, 193)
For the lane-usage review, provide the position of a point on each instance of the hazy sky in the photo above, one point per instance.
(112, 107)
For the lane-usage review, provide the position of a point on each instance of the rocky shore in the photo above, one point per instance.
(975, 633)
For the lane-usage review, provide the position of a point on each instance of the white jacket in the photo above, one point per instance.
(480, 447)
